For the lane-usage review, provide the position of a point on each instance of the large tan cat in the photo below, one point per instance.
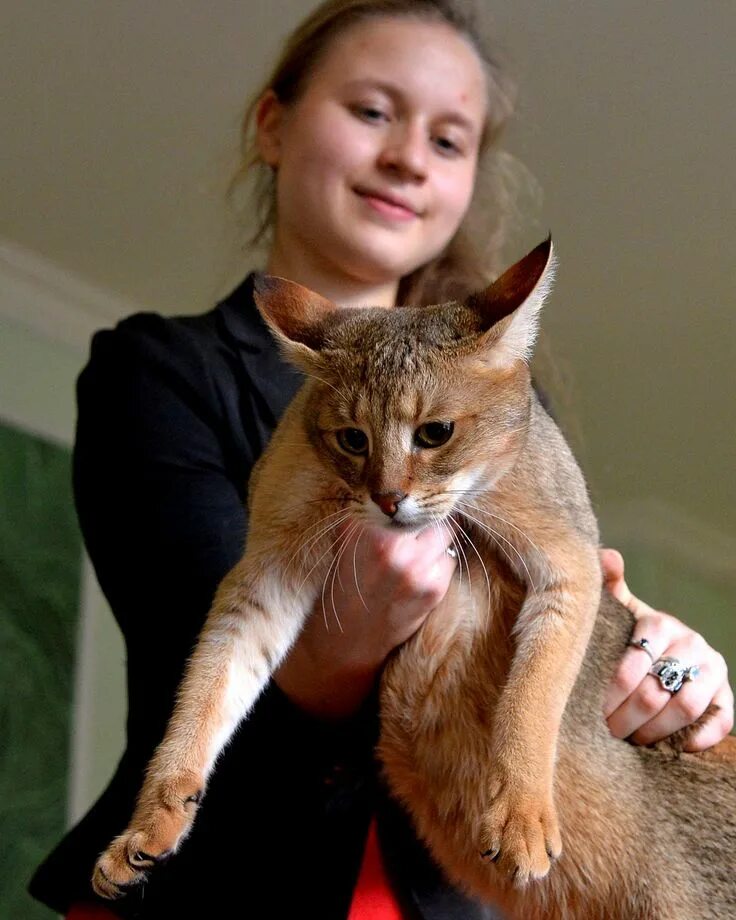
(492, 734)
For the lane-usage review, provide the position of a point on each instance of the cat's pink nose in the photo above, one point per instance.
(388, 502)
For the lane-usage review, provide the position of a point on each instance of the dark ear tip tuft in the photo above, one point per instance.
(546, 245)
(541, 255)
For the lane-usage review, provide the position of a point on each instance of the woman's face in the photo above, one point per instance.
(376, 159)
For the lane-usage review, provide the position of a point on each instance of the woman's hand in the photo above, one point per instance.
(385, 585)
(636, 705)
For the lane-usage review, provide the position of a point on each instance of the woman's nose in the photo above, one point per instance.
(405, 152)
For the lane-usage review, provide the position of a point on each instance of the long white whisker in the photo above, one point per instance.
(493, 534)
(322, 520)
(348, 533)
(325, 518)
(329, 548)
(442, 524)
(439, 526)
(517, 529)
(324, 585)
(500, 536)
(332, 568)
(324, 609)
(302, 548)
(355, 570)
(504, 521)
(457, 534)
(480, 558)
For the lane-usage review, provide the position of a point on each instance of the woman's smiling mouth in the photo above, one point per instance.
(390, 206)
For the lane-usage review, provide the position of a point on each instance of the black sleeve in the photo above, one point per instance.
(162, 518)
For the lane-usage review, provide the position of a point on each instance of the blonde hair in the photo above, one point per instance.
(472, 256)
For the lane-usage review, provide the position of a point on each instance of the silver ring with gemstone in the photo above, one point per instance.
(672, 673)
(643, 644)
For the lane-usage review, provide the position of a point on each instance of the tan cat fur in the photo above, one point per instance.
(492, 735)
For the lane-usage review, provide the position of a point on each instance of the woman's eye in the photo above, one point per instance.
(433, 434)
(447, 146)
(370, 113)
(352, 440)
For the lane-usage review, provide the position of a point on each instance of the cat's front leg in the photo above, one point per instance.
(251, 626)
(520, 832)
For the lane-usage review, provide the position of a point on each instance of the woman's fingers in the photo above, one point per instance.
(636, 705)
(659, 630)
(715, 728)
(645, 725)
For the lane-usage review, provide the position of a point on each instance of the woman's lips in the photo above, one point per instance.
(388, 206)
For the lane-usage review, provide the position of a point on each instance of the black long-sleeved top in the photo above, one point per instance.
(173, 413)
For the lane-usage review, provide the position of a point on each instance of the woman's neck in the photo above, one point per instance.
(341, 289)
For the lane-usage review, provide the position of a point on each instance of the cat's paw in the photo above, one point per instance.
(161, 820)
(520, 833)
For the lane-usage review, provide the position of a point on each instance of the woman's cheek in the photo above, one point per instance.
(460, 193)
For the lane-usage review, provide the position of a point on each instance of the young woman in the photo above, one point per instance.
(370, 138)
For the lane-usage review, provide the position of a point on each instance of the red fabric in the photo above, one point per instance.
(90, 912)
(373, 898)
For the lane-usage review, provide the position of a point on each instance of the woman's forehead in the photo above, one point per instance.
(417, 59)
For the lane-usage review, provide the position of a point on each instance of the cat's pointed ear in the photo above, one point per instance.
(295, 316)
(508, 310)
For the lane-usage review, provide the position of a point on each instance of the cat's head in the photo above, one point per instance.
(415, 409)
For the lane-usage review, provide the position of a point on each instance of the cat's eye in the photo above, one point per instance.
(352, 440)
(433, 434)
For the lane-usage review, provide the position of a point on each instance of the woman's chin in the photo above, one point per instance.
(378, 266)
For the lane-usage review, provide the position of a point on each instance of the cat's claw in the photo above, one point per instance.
(521, 835)
(115, 873)
(157, 828)
(492, 854)
(124, 864)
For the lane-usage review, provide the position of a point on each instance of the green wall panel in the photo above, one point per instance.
(40, 562)
(706, 605)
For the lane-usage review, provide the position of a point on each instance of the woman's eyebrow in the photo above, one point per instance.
(398, 95)
(390, 89)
